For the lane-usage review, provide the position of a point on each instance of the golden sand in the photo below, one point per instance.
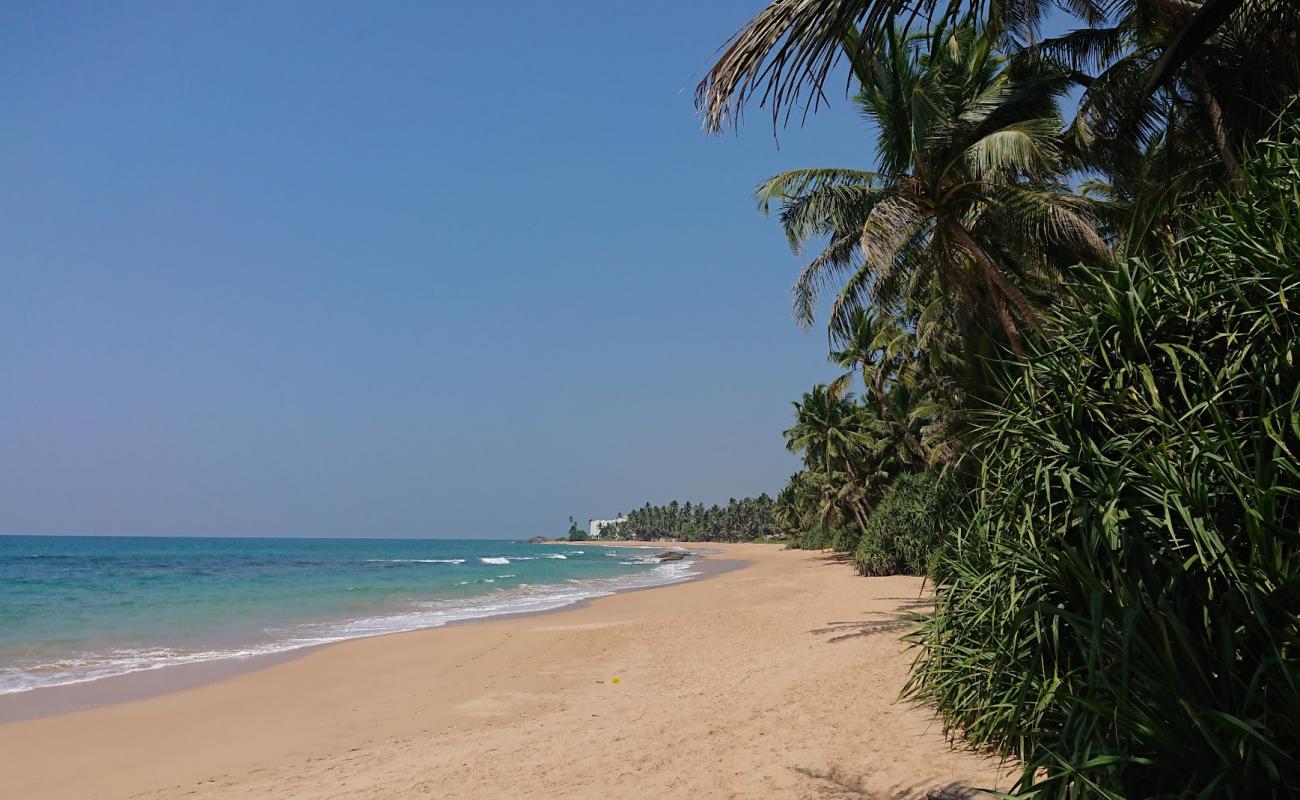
(779, 679)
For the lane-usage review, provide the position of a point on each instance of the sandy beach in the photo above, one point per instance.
(777, 679)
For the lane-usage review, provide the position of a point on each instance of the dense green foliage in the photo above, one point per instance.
(1097, 356)
(1124, 607)
(576, 534)
(815, 536)
(744, 520)
(907, 530)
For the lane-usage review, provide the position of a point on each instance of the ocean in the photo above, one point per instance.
(75, 609)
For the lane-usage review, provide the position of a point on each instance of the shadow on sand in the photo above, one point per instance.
(825, 559)
(908, 615)
(838, 783)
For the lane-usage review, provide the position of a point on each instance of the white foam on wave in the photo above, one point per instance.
(495, 560)
(523, 599)
(554, 555)
(93, 666)
(415, 560)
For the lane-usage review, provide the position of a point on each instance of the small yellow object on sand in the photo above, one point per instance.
(615, 680)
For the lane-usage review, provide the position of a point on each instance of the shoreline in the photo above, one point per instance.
(141, 684)
(731, 685)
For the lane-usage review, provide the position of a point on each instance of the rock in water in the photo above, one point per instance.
(673, 555)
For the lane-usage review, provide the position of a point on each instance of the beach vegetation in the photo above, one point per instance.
(1076, 344)
(905, 535)
(1121, 608)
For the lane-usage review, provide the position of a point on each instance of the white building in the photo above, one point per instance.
(596, 526)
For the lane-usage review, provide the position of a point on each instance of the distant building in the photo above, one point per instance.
(596, 526)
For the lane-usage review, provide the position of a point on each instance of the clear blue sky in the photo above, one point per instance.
(393, 269)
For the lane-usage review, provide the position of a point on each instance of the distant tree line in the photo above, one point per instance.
(744, 520)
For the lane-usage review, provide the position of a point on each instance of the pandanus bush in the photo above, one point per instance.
(1121, 609)
(907, 529)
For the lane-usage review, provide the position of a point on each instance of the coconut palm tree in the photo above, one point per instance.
(875, 348)
(845, 449)
(1166, 138)
(790, 509)
(883, 352)
(827, 430)
(786, 53)
(789, 49)
(962, 214)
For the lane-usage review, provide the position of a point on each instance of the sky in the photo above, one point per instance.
(393, 269)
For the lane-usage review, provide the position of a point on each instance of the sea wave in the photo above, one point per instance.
(415, 560)
(425, 614)
(495, 560)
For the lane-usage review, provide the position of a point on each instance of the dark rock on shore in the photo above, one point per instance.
(673, 555)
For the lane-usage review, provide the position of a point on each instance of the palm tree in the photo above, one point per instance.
(965, 204)
(1266, 28)
(792, 46)
(883, 351)
(788, 508)
(842, 448)
(788, 50)
(1163, 122)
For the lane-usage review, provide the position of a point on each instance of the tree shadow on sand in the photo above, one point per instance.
(905, 618)
(829, 559)
(838, 783)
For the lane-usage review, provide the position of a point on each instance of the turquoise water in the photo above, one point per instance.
(79, 608)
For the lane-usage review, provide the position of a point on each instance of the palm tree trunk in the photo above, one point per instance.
(912, 442)
(999, 287)
(1009, 324)
(1218, 130)
(857, 514)
(853, 506)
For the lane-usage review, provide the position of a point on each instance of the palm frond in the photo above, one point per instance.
(839, 256)
(1045, 216)
(820, 202)
(1084, 50)
(788, 49)
(1022, 148)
